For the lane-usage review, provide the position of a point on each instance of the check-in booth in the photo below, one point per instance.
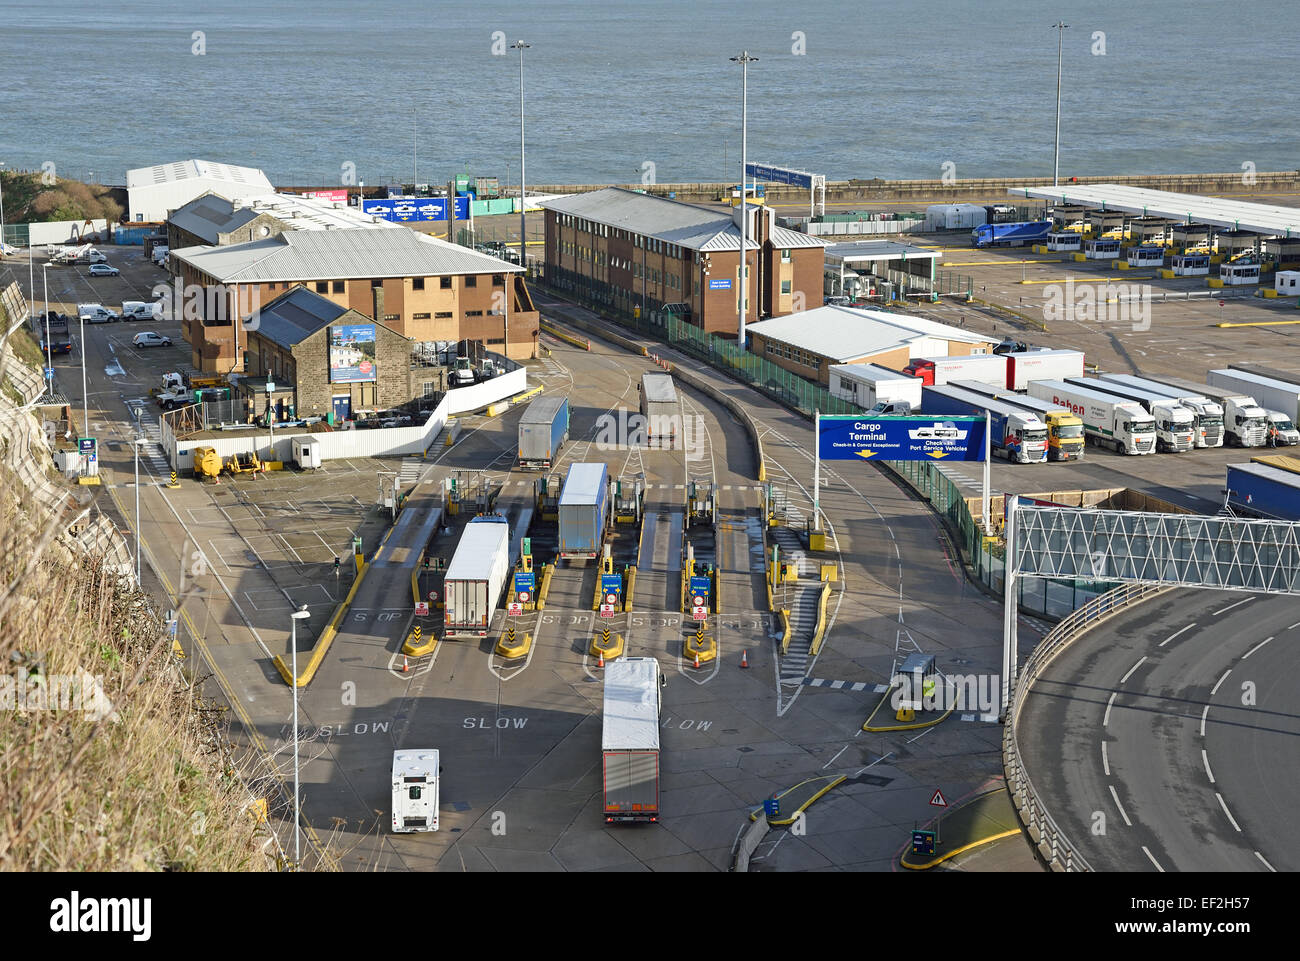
(1191, 265)
(1146, 256)
(1061, 240)
(1287, 283)
(1103, 248)
(306, 453)
(1234, 275)
(917, 680)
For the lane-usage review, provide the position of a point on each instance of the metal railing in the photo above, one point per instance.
(1055, 847)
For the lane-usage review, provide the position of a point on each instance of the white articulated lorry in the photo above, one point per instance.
(476, 576)
(1245, 423)
(1279, 398)
(1175, 424)
(629, 741)
(415, 791)
(1107, 420)
(1208, 414)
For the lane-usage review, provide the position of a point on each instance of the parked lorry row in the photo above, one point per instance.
(1207, 415)
(1064, 429)
(1110, 421)
(1013, 370)
(1245, 423)
(1279, 399)
(1175, 425)
(1014, 433)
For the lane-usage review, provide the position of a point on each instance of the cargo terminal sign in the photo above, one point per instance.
(942, 437)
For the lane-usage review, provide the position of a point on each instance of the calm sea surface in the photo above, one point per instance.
(893, 90)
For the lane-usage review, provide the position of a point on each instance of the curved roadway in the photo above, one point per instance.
(1168, 738)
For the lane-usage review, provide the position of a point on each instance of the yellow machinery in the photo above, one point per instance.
(244, 463)
(207, 463)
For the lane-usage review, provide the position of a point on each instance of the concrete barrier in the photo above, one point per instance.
(820, 633)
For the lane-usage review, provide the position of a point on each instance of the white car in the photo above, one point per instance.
(104, 270)
(149, 338)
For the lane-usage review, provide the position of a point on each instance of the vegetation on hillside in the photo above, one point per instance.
(29, 199)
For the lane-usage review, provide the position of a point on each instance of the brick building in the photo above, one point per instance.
(624, 249)
(308, 347)
(420, 287)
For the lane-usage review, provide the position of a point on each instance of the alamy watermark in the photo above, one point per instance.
(628, 430)
(1122, 303)
(36, 691)
(210, 302)
(978, 693)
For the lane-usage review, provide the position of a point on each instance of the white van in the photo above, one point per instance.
(159, 256)
(139, 310)
(95, 313)
(306, 452)
(415, 791)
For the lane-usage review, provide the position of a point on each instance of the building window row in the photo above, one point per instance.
(776, 349)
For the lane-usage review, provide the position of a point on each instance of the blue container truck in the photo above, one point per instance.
(1264, 491)
(543, 430)
(584, 511)
(1017, 434)
(1010, 235)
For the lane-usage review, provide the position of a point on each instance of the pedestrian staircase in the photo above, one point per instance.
(412, 467)
(800, 598)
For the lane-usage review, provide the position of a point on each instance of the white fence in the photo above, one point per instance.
(337, 444)
(65, 231)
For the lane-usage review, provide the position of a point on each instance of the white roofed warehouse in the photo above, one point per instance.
(154, 192)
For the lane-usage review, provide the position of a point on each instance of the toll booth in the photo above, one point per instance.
(1064, 240)
(548, 496)
(1240, 273)
(1069, 218)
(701, 505)
(1190, 265)
(1146, 256)
(1149, 231)
(1104, 221)
(1287, 283)
(917, 680)
(1192, 238)
(1103, 248)
(629, 500)
(1283, 251)
(1234, 243)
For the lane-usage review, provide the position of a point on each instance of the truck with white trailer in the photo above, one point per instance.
(1014, 433)
(1245, 423)
(543, 431)
(661, 409)
(476, 576)
(869, 384)
(937, 371)
(1207, 414)
(1108, 421)
(1027, 365)
(583, 511)
(1175, 424)
(629, 740)
(1064, 429)
(415, 791)
(1279, 398)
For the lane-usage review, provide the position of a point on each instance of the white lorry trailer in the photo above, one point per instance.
(870, 384)
(1027, 365)
(415, 791)
(661, 409)
(1279, 398)
(1207, 414)
(1245, 423)
(475, 577)
(1175, 424)
(1107, 420)
(629, 741)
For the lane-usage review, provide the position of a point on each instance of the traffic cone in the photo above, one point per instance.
(697, 660)
(405, 666)
(744, 658)
(600, 660)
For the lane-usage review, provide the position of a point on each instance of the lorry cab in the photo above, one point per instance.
(1281, 432)
(415, 790)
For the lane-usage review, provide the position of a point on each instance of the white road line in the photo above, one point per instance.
(845, 747)
(1243, 657)
(1215, 690)
(1222, 804)
(1105, 762)
(1131, 669)
(1204, 757)
(1257, 854)
(1224, 610)
(1162, 643)
(1112, 790)
(1207, 707)
(1291, 628)
(1144, 847)
(1105, 718)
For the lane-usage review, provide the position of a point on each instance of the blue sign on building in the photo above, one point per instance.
(937, 437)
(611, 583)
(715, 284)
(402, 209)
(524, 582)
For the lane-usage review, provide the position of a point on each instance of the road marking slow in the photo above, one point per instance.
(1222, 803)
(1243, 657)
(1112, 790)
(1215, 690)
(1162, 643)
(1224, 610)
(1144, 847)
(1204, 757)
(1131, 669)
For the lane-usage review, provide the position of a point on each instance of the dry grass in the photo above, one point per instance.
(156, 789)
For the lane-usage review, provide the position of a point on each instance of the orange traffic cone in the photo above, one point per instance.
(744, 655)
(405, 666)
(697, 653)
(600, 660)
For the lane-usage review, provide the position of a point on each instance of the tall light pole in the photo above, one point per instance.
(136, 444)
(2, 210)
(49, 359)
(521, 47)
(296, 616)
(1059, 27)
(744, 60)
(85, 396)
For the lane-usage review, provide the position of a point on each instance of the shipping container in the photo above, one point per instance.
(542, 432)
(630, 739)
(584, 511)
(475, 577)
(1264, 491)
(1024, 366)
(661, 409)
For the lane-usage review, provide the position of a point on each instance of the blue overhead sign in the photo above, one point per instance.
(523, 582)
(700, 586)
(611, 583)
(402, 209)
(937, 437)
(715, 284)
(779, 175)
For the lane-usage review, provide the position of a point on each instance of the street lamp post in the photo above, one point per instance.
(1060, 27)
(296, 616)
(136, 444)
(744, 60)
(270, 416)
(49, 357)
(521, 47)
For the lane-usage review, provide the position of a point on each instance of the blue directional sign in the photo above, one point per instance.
(402, 209)
(700, 586)
(611, 583)
(778, 175)
(524, 582)
(771, 807)
(49, 373)
(715, 284)
(936, 437)
(922, 842)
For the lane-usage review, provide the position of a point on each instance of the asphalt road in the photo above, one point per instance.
(1165, 738)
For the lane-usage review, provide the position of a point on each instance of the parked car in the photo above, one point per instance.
(1008, 346)
(149, 338)
(104, 270)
